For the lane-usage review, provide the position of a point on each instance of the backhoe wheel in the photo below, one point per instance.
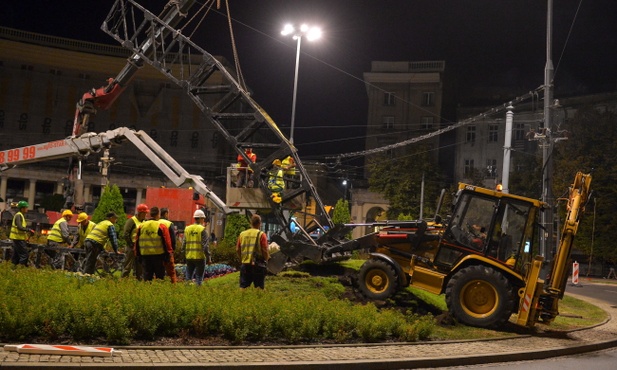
(377, 280)
(480, 296)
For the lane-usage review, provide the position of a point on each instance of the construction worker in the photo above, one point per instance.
(289, 171)
(170, 266)
(130, 234)
(196, 248)
(19, 235)
(153, 246)
(102, 233)
(84, 227)
(59, 235)
(245, 173)
(276, 184)
(252, 249)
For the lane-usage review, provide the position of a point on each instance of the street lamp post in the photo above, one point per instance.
(311, 33)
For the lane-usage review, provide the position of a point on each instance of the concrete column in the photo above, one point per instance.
(3, 183)
(139, 195)
(59, 188)
(31, 192)
(87, 193)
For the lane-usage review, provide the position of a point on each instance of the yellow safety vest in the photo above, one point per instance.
(248, 239)
(17, 234)
(192, 242)
(287, 161)
(165, 222)
(134, 231)
(84, 233)
(55, 235)
(150, 242)
(100, 233)
(276, 182)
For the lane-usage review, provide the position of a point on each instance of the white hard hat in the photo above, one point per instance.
(199, 214)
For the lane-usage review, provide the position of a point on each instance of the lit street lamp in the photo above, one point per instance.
(311, 33)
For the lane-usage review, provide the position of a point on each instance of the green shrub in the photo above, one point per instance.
(48, 304)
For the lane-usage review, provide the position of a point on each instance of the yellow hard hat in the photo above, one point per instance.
(277, 162)
(82, 217)
(67, 213)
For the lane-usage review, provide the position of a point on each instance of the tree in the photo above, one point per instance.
(590, 148)
(234, 225)
(111, 201)
(399, 180)
(341, 214)
(225, 252)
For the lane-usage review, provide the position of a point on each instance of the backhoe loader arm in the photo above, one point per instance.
(578, 194)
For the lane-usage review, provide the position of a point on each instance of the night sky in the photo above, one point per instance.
(484, 43)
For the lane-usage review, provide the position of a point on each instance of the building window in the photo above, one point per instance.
(387, 122)
(519, 131)
(26, 67)
(491, 168)
(493, 133)
(470, 137)
(468, 171)
(56, 72)
(195, 139)
(174, 138)
(389, 99)
(428, 99)
(84, 76)
(427, 123)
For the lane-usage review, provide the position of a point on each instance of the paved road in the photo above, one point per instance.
(340, 357)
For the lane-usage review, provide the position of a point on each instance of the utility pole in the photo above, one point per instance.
(507, 150)
(546, 236)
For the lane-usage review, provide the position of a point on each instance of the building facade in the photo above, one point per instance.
(41, 80)
(405, 101)
(480, 145)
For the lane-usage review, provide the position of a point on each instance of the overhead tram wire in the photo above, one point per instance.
(451, 127)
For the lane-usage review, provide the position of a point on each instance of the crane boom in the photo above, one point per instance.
(228, 107)
(103, 97)
(90, 143)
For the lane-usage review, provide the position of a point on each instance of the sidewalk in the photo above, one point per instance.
(339, 357)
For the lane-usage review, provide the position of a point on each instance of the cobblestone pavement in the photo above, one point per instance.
(339, 357)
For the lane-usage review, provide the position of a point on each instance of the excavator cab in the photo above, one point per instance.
(498, 226)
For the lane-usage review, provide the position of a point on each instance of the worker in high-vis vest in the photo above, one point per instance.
(130, 235)
(288, 164)
(170, 265)
(59, 236)
(19, 235)
(84, 227)
(153, 246)
(196, 248)
(276, 184)
(252, 249)
(102, 233)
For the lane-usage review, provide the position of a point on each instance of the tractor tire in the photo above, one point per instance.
(377, 280)
(480, 296)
